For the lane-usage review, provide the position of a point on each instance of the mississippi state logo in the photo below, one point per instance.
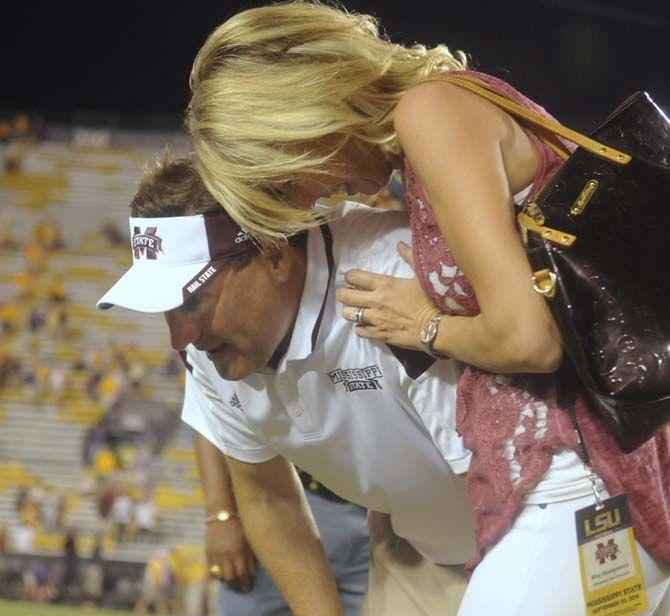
(357, 379)
(147, 243)
(606, 550)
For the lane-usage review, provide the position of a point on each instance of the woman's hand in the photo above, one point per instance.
(396, 309)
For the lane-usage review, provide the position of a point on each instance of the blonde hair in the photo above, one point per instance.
(278, 90)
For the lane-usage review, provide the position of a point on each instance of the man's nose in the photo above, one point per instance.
(183, 329)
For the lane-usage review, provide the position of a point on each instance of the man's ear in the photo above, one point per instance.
(280, 261)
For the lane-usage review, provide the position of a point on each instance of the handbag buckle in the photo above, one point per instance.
(526, 223)
(533, 210)
(544, 283)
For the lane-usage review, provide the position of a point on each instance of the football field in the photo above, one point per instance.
(17, 608)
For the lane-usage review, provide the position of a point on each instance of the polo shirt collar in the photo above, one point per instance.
(313, 303)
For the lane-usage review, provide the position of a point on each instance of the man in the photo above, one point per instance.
(276, 376)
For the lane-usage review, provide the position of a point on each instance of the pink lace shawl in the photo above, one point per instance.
(499, 414)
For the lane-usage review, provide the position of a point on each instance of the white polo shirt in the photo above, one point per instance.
(373, 424)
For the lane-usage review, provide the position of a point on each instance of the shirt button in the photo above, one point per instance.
(297, 411)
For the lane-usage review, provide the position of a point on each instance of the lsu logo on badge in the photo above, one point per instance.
(608, 520)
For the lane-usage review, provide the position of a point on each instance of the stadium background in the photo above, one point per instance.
(89, 402)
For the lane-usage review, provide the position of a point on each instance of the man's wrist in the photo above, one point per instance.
(222, 515)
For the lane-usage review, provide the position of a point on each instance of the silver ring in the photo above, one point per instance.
(357, 317)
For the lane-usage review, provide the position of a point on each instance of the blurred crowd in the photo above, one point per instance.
(48, 361)
(176, 582)
(173, 581)
(17, 133)
(38, 306)
(67, 579)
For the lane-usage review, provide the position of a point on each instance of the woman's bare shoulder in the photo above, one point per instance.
(440, 103)
(440, 116)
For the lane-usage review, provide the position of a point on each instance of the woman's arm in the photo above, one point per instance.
(457, 144)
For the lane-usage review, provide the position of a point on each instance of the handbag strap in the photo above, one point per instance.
(548, 130)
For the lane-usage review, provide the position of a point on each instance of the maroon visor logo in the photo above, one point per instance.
(148, 243)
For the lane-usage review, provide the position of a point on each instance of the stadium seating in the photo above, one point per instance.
(77, 191)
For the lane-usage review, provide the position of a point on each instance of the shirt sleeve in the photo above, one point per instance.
(226, 428)
(433, 396)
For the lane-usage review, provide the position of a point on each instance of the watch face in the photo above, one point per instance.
(429, 332)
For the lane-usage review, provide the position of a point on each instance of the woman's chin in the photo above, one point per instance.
(368, 187)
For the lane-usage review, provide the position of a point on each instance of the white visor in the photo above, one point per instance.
(173, 258)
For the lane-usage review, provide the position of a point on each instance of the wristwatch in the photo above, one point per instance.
(222, 515)
(428, 335)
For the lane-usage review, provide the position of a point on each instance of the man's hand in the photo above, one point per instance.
(227, 548)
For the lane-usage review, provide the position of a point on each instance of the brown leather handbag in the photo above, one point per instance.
(595, 236)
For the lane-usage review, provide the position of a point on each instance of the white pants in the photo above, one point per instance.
(534, 569)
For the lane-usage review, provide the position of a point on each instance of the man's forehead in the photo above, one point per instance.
(222, 278)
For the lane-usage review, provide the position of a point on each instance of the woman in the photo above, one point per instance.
(299, 101)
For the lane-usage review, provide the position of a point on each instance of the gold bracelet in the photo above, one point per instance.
(223, 515)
